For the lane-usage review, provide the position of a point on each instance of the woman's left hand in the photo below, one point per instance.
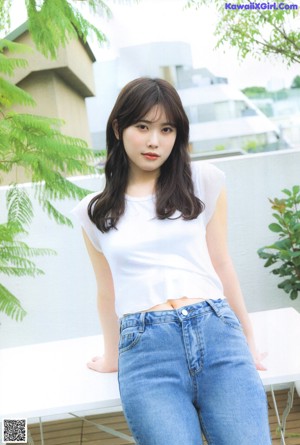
(258, 357)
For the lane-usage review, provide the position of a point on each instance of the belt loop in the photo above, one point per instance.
(120, 324)
(214, 307)
(142, 322)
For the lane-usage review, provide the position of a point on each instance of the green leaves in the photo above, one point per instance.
(12, 95)
(49, 33)
(19, 207)
(296, 82)
(4, 14)
(256, 31)
(285, 252)
(10, 305)
(15, 254)
(275, 227)
(35, 144)
(7, 65)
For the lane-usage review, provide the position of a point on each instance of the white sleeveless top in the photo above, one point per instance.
(154, 260)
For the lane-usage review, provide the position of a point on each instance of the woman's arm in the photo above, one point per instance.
(216, 237)
(106, 310)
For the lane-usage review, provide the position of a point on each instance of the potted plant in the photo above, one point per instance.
(284, 253)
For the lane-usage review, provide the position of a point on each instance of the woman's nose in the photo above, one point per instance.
(153, 139)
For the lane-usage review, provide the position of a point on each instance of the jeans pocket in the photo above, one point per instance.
(129, 337)
(228, 317)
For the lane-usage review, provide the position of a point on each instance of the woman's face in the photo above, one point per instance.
(149, 142)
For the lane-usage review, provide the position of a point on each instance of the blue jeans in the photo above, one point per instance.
(189, 371)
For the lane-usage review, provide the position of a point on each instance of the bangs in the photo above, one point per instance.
(162, 104)
(147, 95)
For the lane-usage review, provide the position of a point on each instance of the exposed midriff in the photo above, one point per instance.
(174, 304)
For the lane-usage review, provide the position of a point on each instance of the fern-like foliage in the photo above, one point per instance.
(36, 143)
(10, 305)
(7, 66)
(19, 206)
(14, 47)
(15, 255)
(49, 34)
(4, 14)
(12, 95)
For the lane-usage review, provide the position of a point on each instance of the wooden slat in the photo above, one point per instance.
(77, 432)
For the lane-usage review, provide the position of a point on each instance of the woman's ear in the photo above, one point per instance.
(116, 128)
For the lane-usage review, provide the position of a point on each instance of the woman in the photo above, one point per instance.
(168, 296)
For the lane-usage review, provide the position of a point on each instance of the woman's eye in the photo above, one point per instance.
(142, 126)
(167, 130)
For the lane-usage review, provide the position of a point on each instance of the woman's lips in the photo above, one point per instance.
(151, 156)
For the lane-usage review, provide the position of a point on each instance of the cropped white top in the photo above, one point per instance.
(154, 260)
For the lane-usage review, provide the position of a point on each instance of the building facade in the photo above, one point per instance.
(223, 121)
(59, 87)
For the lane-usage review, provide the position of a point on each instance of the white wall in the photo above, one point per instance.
(251, 180)
(62, 303)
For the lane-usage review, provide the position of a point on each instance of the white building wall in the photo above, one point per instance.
(222, 129)
(147, 59)
(207, 94)
(62, 303)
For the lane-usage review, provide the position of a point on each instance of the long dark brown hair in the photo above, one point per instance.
(174, 187)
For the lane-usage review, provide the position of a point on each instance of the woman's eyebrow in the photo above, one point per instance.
(152, 122)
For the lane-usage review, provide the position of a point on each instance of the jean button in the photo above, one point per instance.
(184, 312)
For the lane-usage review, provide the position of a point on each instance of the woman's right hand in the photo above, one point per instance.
(101, 364)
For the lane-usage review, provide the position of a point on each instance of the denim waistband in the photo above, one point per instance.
(141, 319)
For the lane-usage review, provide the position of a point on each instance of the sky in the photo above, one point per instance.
(147, 21)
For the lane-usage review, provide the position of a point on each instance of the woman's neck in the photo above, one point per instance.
(141, 184)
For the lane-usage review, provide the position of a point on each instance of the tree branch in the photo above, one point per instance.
(294, 57)
(281, 31)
